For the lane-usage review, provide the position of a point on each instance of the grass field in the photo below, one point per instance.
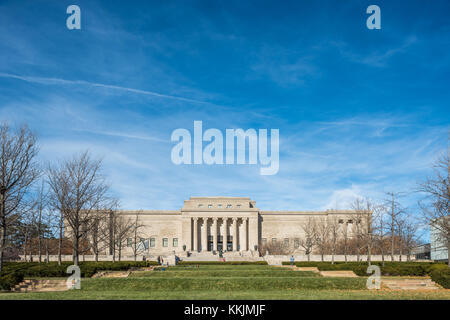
(226, 282)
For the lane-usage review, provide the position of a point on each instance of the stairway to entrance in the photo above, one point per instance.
(41, 285)
(410, 284)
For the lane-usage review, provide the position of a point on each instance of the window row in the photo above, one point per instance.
(341, 221)
(145, 242)
(220, 206)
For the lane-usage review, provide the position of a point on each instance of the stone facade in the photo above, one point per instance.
(203, 224)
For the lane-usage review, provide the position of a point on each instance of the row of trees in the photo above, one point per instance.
(39, 203)
(374, 229)
(384, 227)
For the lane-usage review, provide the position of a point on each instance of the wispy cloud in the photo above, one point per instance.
(124, 135)
(58, 81)
(379, 58)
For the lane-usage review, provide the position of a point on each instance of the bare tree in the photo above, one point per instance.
(137, 245)
(79, 189)
(380, 232)
(18, 171)
(41, 206)
(365, 210)
(345, 239)
(358, 231)
(275, 248)
(123, 229)
(322, 235)
(436, 206)
(309, 239)
(98, 234)
(333, 225)
(409, 234)
(395, 213)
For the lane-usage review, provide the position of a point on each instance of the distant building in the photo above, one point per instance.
(439, 251)
(422, 252)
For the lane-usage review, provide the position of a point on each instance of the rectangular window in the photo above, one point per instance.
(274, 240)
(296, 243)
(229, 206)
(210, 206)
(286, 242)
(129, 242)
(175, 242)
(152, 242)
(165, 242)
(264, 241)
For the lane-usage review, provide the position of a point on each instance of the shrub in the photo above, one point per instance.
(52, 269)
(442, 277)
(389, 268)
(8, 281)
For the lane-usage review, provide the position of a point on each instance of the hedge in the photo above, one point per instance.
(232, 263)
(8, 281)
(52, 269)
(389, 268)
(442, 277)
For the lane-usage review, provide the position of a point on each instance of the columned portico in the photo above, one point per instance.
(208, 237)
(235, 234)
(204, 240)
(214, 233)
(220, 224)
(225, 233)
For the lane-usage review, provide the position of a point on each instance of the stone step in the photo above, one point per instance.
(339, 273)
(410, 284)
(41, 285)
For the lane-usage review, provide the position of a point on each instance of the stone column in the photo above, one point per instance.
(225, 234)
(195, 234)
(235, 231)
(245, 241)
(252, 233)
(205, 235)
(214, 233)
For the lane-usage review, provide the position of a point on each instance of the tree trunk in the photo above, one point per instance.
(60, 238)
(39, 236)
(333, 253)
(76, 258)
(25, 247)
(2, 244)
(46, 251)
(3, 229)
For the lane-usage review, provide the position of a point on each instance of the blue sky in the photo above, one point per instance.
(360, 112)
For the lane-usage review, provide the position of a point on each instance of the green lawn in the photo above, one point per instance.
(226, 282)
